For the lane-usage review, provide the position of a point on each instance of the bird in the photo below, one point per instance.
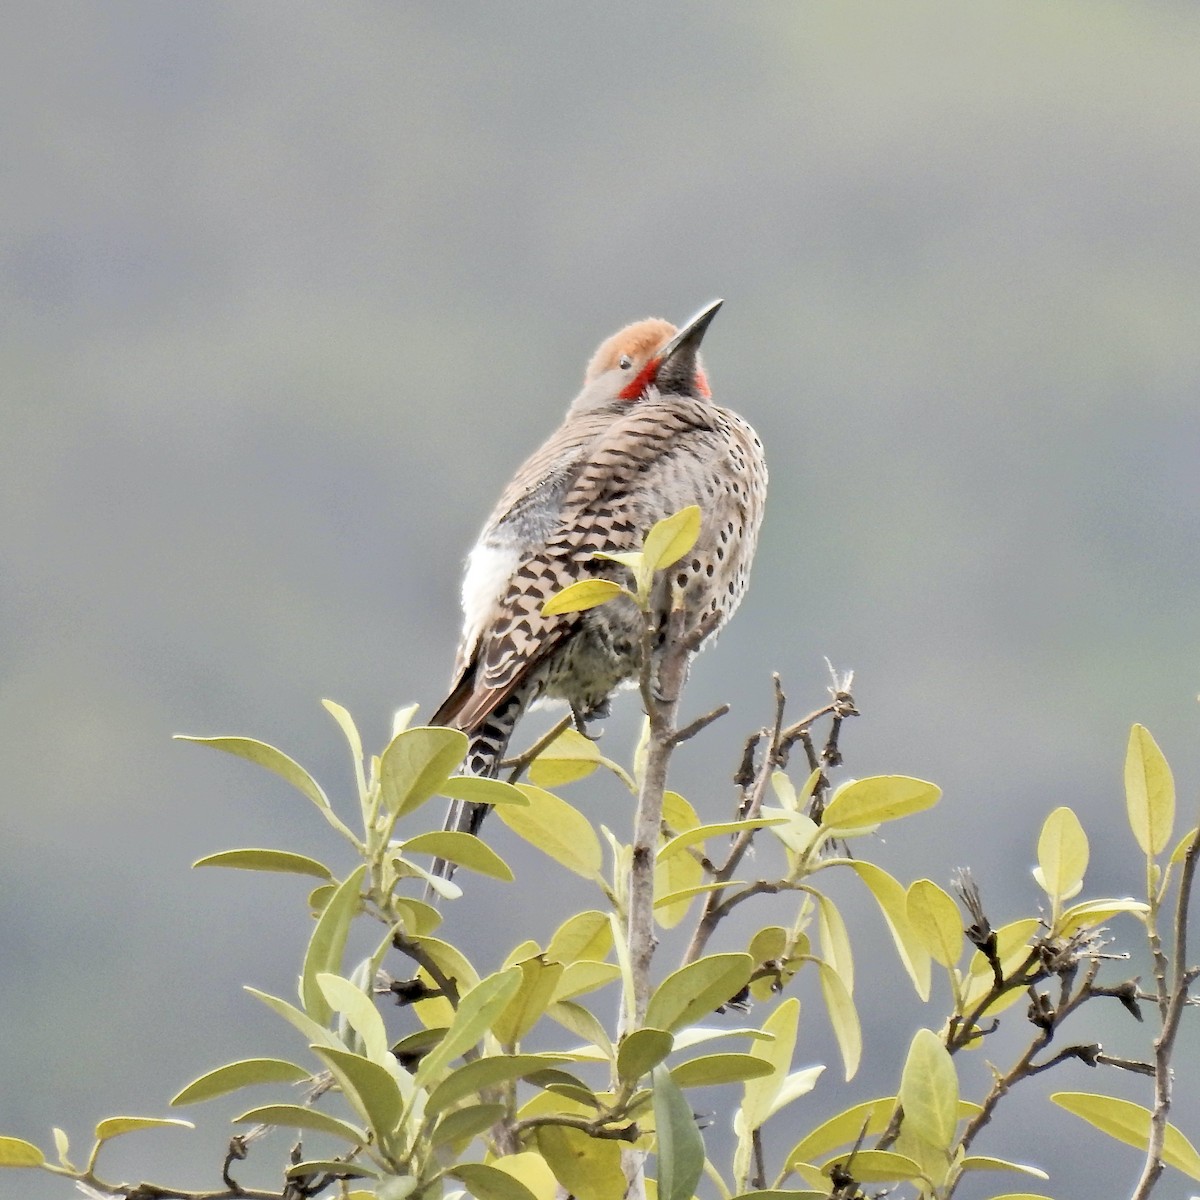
(642, 440)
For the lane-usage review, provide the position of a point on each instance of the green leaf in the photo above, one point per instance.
(476, 1012)
(1092, 913)
(797, 1084)
(353, 740)
(299, 1116)
(583, 1024)
(265, 756)
(557, 829)
(934, 918)
(331, 1166)
(416, 765)
(929, 1091)
(842, 1016)
(1181, 849)
(359, 1010)
(697, 989)
(678, 1143)
(701, 833)
(569, 757)
(465, 849)
(1130, 1123)
(297, 1019)
(244, 1073)
(476, 789)
(1062, 855)
(539, 979)
(16, 1152)
(465, 1123)
(267, 860)
(869, 1118)
(586, 935)
(641, 1051)
(776, 1054)
(835, 941)
(586, 593)
(893, 904)
(877, 799)
(671, 538)
(63, 1146)
(473, 1077)
(877, 1166)
(712, 1070)
(589, 1168)
(328, 943)
(112, 1127)
(490, 1183)
(1149, 792)
(581, 977)
(370, 1089)
(983, 1162)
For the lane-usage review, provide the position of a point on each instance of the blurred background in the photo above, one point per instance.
(288, 291)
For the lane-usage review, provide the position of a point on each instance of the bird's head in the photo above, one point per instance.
(648, 355)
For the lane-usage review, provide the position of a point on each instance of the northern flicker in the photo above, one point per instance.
(641, 441)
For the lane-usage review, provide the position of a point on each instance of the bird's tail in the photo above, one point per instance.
(485, 751)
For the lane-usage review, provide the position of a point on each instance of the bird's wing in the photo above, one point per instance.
(627, 481)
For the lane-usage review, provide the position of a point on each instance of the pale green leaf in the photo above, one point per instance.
(490, 1183)
(112, 1127)
(477, 789)
(1181, 849)
(935, 919)
(671, 538)
(328, 1166)
(328, 943)
(1012, 949)
(417, 764)
(869, 1118)
(557, 829)
(1149, 792)
(16, 1152)
(370, 1089)
(584, 976)
(1130, 1123)
(1092, 913)
(835, 940)
(244, 1073)
(583, 1024)
(301, 1116)
(359, 1010)
(353, 740)
(893, 904)
(797, 1084)
(929, 1091)
(675, 881)
(476, 1012)
(539, 979)
(696, 990)
(877, 1166)
(299, 1020)
(63, 1145)
(701, 833)
(843, 1017)
(678, 1144)
(759, 1094)
(641, 1051)
(688, 893)
(472, 1078)
(983, 1162)
(531, 1169)
(465, 1123)
(878, 799)
(584, 594)
(265, 756)
(465, 849)
(712, 1070)
(589, 1168)
(1062, 855)
(569, 757)
(267, 860)
(586, 935)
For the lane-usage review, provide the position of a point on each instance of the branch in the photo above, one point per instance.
(1171, 1005)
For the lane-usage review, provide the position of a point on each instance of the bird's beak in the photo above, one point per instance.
(677, 359)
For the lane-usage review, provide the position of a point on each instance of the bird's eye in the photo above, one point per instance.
(625, 362)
